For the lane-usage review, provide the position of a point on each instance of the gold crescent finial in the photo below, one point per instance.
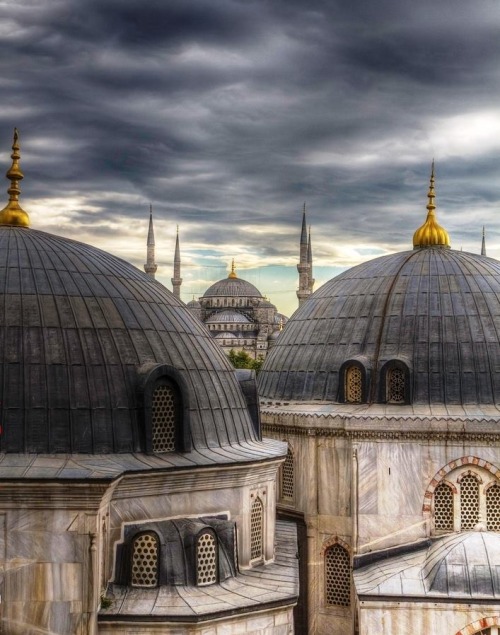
(233, 272)
(430, 234)
(12, 213)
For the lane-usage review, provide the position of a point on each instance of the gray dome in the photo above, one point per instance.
(232, 287)
(464, 564)
(228, 316)
(434, 311)
(80, 331)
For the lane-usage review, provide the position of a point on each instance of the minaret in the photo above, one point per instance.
(150, 267)
(177, 280)
(311, 280)
(483, 245)
(13, 213)
(303, 267)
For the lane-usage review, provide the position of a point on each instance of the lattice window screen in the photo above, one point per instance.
(163, 419)
(395, 385)
(338, 576)
(493, 508)
(353, 385)
(469, 502)
(206, 559)
(287, 477)
(145, 561)
(256, 530)
(443, 507)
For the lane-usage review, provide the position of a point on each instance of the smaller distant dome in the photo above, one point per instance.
(226, 335)
(228, 316)
(274, 335)
(193, 304)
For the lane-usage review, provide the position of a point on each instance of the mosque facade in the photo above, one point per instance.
(386, 386)
(137, 494)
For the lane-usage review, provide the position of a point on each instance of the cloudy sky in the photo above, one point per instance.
(227, 115)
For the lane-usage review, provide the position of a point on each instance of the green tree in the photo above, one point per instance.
(241, 359)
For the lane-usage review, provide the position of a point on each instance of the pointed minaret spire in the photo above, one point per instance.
(483, 244)
(13, 213)
(310, 279)
(304, 267)
(177, 280)
(150, 267)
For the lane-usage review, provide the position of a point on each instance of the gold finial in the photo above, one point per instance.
(233, 272)
(12, 213)
(430, 234)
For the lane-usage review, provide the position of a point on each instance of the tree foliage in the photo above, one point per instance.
(241, 359)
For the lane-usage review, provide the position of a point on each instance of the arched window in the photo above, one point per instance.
(396, 385)
(206, 559)
(144, 566)
(469, 501)
(337, 576)
(257, 530)
(443, 507)
(287, 482)
(493, 507)
(353, 385)
(164, 413)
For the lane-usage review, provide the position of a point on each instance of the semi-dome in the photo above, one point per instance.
(228, 316)
(86, 337)
(433, 313)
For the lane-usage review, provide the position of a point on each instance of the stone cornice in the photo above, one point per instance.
(90, 495)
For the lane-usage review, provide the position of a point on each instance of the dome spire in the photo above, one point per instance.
(232, 275)
(12, 213)
(430, 234)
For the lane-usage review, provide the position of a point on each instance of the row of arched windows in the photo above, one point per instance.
(145, 552)
(394, 378)
(465, 500)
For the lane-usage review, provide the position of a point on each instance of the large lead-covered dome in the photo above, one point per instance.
(433, 314)
(81, 331)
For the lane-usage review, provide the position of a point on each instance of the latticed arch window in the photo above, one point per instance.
(145, 552)
(257, 530)
(353, 385)
(287, 477)
(396, 385)
(164, 413)
(206, 559)
(337, 576)
(443, 508)
(469, 501)
(493, 507)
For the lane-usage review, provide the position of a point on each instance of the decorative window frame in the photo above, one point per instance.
(343, 372)
(285, 500)
(452, 474)
(328, 544)
(476, 627)
(135, 538)
(254, 497)
(155, 375)
(201, 533)
(390, 365)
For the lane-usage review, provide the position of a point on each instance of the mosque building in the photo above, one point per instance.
(235, 312)
(386, 385)
(137, 494)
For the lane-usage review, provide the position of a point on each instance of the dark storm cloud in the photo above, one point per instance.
(228, 114)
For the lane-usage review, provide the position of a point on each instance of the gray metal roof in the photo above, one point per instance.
(232, 287)
(76, 327)
(437, 310)
(227, 316)
(455, 566)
